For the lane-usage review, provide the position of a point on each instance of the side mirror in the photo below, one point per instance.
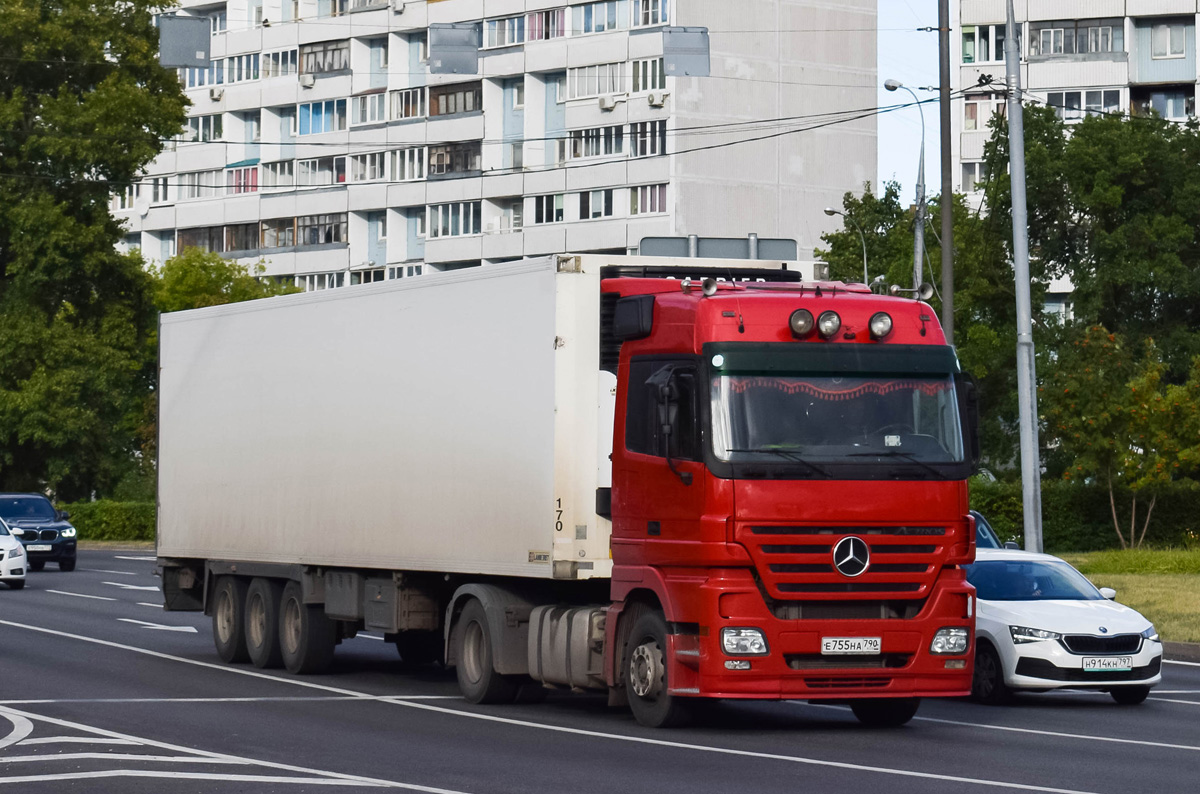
(1108, 593)
(63, 515)
(1012, 544)
(974, 447)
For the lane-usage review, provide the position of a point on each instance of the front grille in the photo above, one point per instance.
(850, 587)
(847, 610)
(847, 683)
(815, 661)
(877, 567)
(48, 534)
(1086, 643)
(839, 531)
(1043, 668)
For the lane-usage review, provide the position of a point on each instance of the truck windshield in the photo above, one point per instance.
(838, 418)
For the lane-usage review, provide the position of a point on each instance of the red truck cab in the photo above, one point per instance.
(789, 498)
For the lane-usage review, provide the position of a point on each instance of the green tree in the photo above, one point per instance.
(194, 279)
(84, 106)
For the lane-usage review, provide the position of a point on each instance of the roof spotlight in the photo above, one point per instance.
(881, 325)
(801, 322)
(828, 324)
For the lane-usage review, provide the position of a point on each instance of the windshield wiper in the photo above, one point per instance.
(788, 456)
(895, 453)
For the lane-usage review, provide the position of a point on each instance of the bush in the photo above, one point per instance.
(108, 520)
(1078, 517)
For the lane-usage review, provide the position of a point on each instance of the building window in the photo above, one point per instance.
(450, 99)
(505, 32)
(512, 215)
(647, 199)
(367, 276)
(252, 126)
(279, 174)
(456, 219)
(204, 128)
(321, 229)
(408, 103)
(548, 209)
(1102, 102)
(218, 21)
(200, 76)
(381, 224)
(973, 176)
(405, 271)
(596, 18)
(406, 165)
(280, 64)
(648, 75)
(983, 43)
(978, 110)
(316, 281)
(650, 12)
(321, 171)
(241, 237)
(1076, 37)
(279, 233)
(241, 68)
(1169, 40)
(550, 24)
(319, 117)
(325, 57)
(379, 52)
(596, 204)
(368, 167)
(517, 155)
(242, 180)
(598, 142)
(1176, 104)
(590, 81)
(200, 184)
(649, 138)
(158, 189)
(369, 109)
(124, 199)
(455, 158)
(518, 94)
(357, 4)
(206, 238)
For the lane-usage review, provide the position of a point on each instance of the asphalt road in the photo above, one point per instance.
(102, 691)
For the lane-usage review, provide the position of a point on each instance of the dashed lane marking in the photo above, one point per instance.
(80, 595)
(74, 740)
(1185, 664)
(159, 626)
(123, 586)
(316, 699)
(148, 604)
(1172, 700)
(119, 573)
(138, 559)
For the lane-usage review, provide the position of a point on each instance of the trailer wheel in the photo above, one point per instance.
(645, 675)
(420, 648)
(228, 617)
(885, 713)
(477, 676)
(306, 634)
(262, 623)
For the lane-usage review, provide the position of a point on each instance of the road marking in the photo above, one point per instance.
(148, 604)
(369, 637)
(364, 698)
(905, 773)
(1177, 691)
(159, 626)
(1170, 700)
(80, 595)
(139, 559)
(175, 774)
(74, 740)
(1186, 664)
(123, 586)
(101, 570)
(21, 728)
(161, 759)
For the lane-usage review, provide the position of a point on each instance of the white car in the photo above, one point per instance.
(12, 559)
(1042, 625)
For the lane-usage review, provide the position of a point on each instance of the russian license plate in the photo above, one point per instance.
(1095, 664)
(40, 547)
(849, 645)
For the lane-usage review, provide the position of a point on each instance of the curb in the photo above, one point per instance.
(116, 545)
(1181, 651)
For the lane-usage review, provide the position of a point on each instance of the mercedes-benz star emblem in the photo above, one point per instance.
(851, 556)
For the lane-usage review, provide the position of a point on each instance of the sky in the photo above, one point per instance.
(911, 58)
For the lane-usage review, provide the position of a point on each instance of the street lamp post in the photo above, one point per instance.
(830, 211)
(919, 232)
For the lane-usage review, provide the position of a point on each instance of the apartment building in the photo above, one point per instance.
(319, 141)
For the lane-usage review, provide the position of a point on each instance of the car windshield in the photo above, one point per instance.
(26, 508)
(1030, 580)
(985, 536)
(843, 418)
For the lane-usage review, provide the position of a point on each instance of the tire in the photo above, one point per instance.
(885, 713)
(420, 648)
(987, 684)
(477, 676)
(17, 584)
(36, 566)
(1130, 695)
(262, 623)
(228, 619)
(307, 635)
(66, 566)
(644, 673)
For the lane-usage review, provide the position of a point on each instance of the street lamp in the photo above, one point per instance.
(830, 211)
(919, 239)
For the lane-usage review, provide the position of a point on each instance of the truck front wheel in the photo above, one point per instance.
(885, 712)
(306, 634)
(477, 676)
(228, 619)
(262, 623)
(645, 675)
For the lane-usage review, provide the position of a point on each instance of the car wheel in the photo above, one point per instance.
(16, 584)
(36, 566)
(1130, 695)
(988, 685)
(66, 565)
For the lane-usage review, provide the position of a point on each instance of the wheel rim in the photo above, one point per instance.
(646, 670)
(225, 616)
(256, 620)
(985, 674)
(473, 651)
(291, 625)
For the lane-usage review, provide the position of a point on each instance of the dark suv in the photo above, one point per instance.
(43, 530)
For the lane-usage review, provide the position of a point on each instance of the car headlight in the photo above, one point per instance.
(950, 640)
(744, 642)
(1151, 634)
(1022, 634)
(19, 550)
(68, 532)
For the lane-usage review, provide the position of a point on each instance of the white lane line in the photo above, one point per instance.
(139, 559)
(21, 728)
(123, 586)
(162, 759)
(369, 637)
(74, 740)
(80, 595)
(1186, 664)
(363, 698)
(159, 626)
(343, 778)
(148, 604)
(1177, 691)
(175, 774)
(120, 573)
(1171, 700)
(563, 729)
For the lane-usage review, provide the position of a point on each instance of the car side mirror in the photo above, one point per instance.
(1108, 593)
(64, 515)
(1012, 544)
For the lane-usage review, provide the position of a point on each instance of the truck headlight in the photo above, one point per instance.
(744, 642)
(1022, 634)
(17, 552)
(1151, 634)
(950, 640)
(69, 532)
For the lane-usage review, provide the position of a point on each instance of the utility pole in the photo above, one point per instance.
(919, 231)
(947, 175)
(1031, 465)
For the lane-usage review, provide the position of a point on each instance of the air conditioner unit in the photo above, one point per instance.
(608, 103)
(398, 6)
(657, 98)
(216, 94)
(308, 80)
